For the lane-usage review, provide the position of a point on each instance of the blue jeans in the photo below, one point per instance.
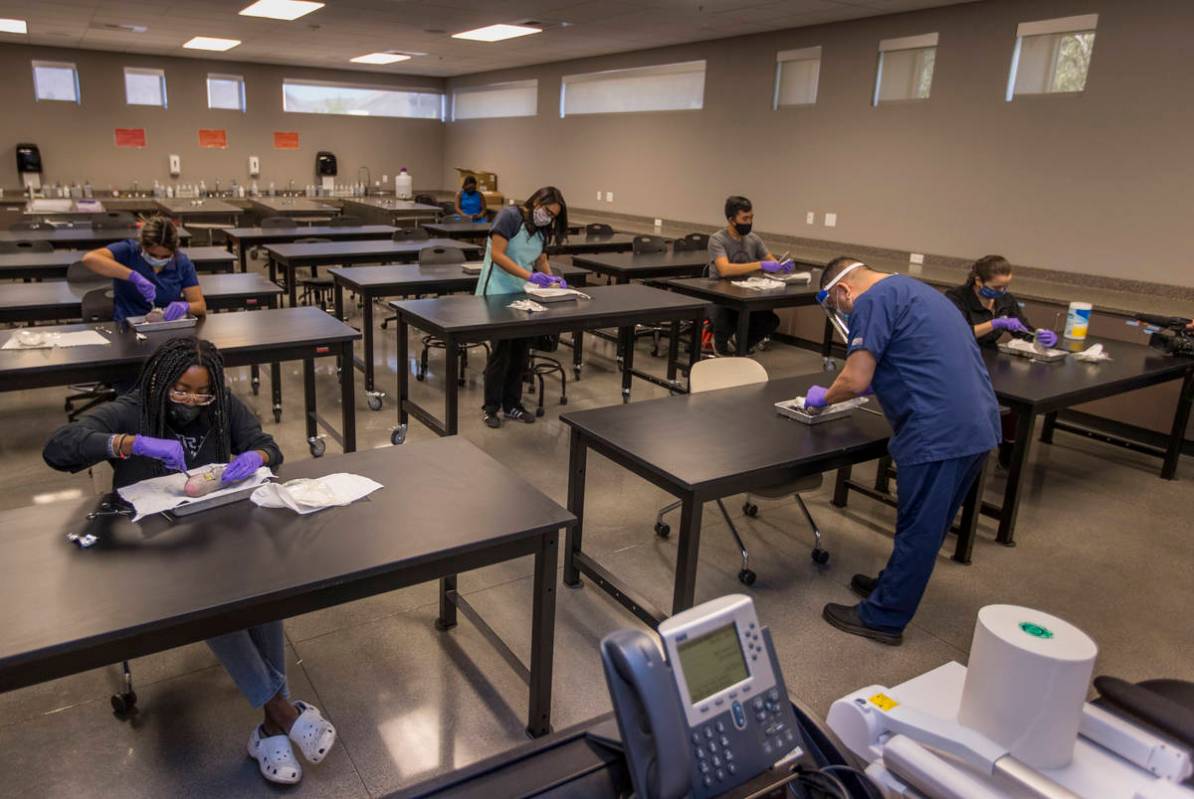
(256, 660)
(930, 495)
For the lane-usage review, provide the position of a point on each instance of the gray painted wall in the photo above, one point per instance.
(77, 141)
(1100, 183)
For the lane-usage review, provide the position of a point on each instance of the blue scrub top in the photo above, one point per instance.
(175, 276)
(522, 247)
(470, 202)
(929, 374)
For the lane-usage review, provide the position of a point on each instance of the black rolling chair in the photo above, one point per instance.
(315, 287)
(442, 256)
(598, 229)
(426, 199)
(644, 245)
(16, 226)
(345, 220)
(684, 245)
(113, 220)
(98, 305)
(18, 247)
(700, 241)
(410, 234)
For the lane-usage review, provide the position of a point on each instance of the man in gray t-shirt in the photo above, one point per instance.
(736, 252)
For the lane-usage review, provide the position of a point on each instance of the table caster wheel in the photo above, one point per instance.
(256, 387)
(747, 577)
(398, 435)
(277, 414)
(625, 397)
(563, 400)
(384, 324)
(317, 447)
(750, 509)
(663, 529)
(820, 556)
(374, 402)
(539, 412)
(68, 406)
(125, 704)
(420, 375)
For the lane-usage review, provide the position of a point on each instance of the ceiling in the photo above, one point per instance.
(344, 29)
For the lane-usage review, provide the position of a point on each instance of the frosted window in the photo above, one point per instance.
(520, 99)
(362, 101)
(667, 87)
(796, 75)
(145, 87)
(1052, 63)
(226, 92)
(53, 81)
(905, 74)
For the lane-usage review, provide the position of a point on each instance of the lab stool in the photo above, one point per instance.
(539, 367)
(432, 343)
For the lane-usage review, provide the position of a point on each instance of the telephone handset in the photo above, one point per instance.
(706, 714)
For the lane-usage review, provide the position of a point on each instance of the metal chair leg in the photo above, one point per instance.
(819, 554)
(746, 576)
(666, 509)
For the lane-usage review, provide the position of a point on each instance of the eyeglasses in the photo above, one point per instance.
(187, 398)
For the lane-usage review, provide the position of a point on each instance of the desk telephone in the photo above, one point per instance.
(709, 713)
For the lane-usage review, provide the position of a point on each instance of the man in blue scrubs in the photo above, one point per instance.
(909, 344)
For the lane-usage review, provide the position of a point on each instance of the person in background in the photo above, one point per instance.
(514, 257)
(181, 416)
(736, 252)
(991, 310)
(908, 344)
(470, 203)
(150, 272)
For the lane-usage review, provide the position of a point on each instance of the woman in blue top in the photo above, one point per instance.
(514, 257)
(150, 272)
(470, 203)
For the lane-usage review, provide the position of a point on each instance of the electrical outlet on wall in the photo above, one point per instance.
(175, 166)
(830, 220)
(254, 167)
(811, 219)
(609, 196)
(599, 195)
(916, 258)
(658, 223)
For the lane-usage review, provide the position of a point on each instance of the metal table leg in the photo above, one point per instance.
(1025, 418)
(687, 549)
(348, 410)
(971, 511)
(451, 385)
(1177, 433)
(626, 344)
(742, 335)
(543, 625)
(577, 457)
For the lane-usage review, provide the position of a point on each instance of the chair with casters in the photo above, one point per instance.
(598, 229)
(440, 256)
(345, 220)
(684, 245)
(447, 208)
(18, 247)
(718, 373)
(315, 287)
(427, 199)
(700, 241)
(644, 245)
(18, 226)
(98, 305)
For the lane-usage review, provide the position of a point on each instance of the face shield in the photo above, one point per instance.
(836, 317)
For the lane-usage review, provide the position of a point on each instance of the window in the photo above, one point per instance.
(1052, 55)
(518, 99)
(666, 87)
(226, 92)
(145, 87)
(311, 97)
(55, 81)
(796, 76)
(905, 69)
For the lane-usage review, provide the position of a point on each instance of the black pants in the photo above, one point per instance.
(504, 370)
(725, 324)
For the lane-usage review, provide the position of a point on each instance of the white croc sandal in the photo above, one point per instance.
(312, 732)
(274, 757)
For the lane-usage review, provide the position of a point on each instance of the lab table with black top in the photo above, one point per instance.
(293, 206)
(292, 257)
(1031, 388)
(706, 446)
(406, 280)
(601, 242)
(244, 339)
(217, 571)
(204, 209)
(50, 265)
(74, 238)
(242, 239)
(465, 231)
(460, 319)
(624, 267)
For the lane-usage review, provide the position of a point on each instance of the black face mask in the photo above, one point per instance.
(182, 415)
(742, 228)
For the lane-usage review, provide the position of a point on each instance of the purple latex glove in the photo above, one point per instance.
(1009, 323)
(560, 282)
(176, 310)
(815, 398)
(167, 451)
(242, 466)
(1046, 337)
(541, 279)
(777, 267)
(145, 287)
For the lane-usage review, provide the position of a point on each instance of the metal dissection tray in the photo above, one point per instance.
(1041, 356)
(792, 410)
(141, 326)
(205, 503)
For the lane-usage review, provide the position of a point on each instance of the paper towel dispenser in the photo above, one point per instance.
(28, 158)
(325, 164)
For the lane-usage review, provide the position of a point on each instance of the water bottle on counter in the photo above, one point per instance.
(404, 185)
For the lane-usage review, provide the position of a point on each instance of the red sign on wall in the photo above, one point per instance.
(216, 139)
(286, 140)
(130, 137)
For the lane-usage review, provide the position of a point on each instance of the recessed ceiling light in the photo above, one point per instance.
(288, 10)
(13, 26)
(380, 58)
(497, 33)
(211, 43)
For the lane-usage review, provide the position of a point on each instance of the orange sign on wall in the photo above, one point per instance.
(286, 140)
(130, 137)
(216, 139)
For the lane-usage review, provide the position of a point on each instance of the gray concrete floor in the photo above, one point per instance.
(1102, 543)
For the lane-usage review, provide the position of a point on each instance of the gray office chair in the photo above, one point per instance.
(31, 226)
(315, 287)
(410, 234)
(649, 244)
(98, 305)
(598, 229)
(441, 256)
(729, 373)
(18, 247)
(345, 220)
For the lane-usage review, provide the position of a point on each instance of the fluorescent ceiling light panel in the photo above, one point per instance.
(497, 33)
(380, 58)
(13, 26)
(288, 10)
(211, 43)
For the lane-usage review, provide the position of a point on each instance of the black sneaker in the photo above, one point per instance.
(491, 419)
(722, 348)
(520, 414)
(862, 584)
(846, 619)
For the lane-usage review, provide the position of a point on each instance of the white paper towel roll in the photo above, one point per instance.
(1026, 683)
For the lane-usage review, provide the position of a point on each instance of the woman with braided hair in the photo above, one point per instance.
(179, 416)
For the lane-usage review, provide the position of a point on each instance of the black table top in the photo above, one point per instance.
(656, 264)
(59, 260)
(470, 229)
(274, 234)
(86, 236)
(60, 293)
(392, 204)
(1067, 382)
(616, 242)
(609, 305)
(206, 206)
(144, 578)
(726, 293)
(292, 206)
(236, 334)
(696, 440)
(416, 279)
(370, 249)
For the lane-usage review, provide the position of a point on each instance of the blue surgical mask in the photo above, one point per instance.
(156, 263)
(991, 293)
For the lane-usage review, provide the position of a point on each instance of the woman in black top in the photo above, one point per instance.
(179, 416)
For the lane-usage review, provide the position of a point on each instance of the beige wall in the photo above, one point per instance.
(1098, 183)
(76, 141)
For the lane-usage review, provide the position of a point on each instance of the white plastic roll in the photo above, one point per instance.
(1026, 683)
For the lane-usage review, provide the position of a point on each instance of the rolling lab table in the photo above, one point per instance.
(205, 210)
(405, 280)
(45, 265)
(244, 339)
(624, 267)
(228, 568)
(75, 238)
(291, 257)
(616, 242)
(391, 209)
(465, 231)
(459, 319)
(242, 239)
(292, 206)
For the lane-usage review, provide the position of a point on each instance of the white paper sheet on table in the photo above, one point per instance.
(530, 306)
(78, 338)
(757, 283)
(1092, 354)
(160, 494)
(307, 495)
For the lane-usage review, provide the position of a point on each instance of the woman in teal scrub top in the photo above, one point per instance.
(514, 257)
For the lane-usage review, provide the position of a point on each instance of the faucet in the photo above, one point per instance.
(368, 178)
(290, 187)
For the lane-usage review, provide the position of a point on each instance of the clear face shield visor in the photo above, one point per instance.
(836, 318)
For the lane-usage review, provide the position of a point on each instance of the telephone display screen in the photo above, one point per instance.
(712, 662)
